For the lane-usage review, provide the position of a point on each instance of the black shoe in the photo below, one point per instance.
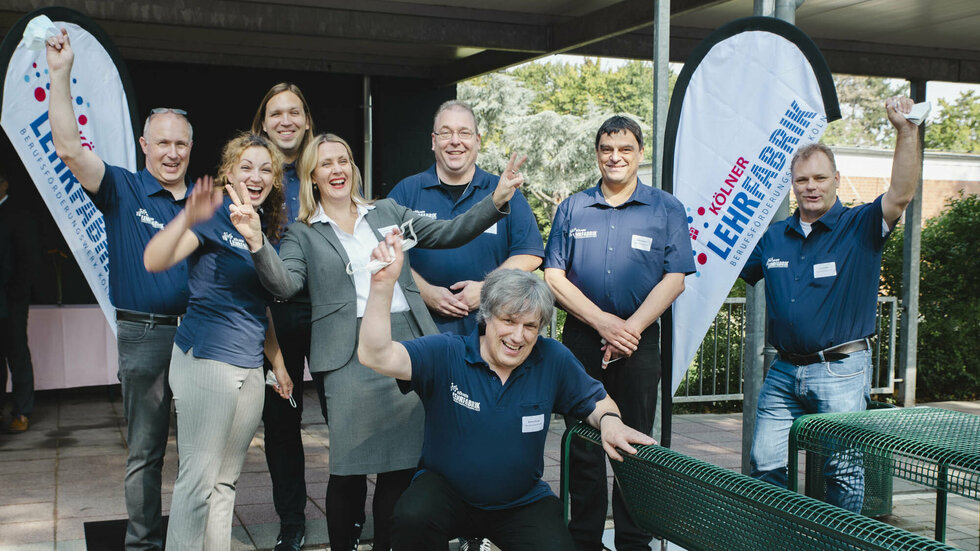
(357, 535)
(291, 538)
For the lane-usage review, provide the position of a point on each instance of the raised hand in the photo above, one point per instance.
(897, 107)
(244, 217)
(202, 202)
(389, 250)
(58, 52)
(510, 179)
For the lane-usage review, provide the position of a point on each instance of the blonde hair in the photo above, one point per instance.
(309, 195)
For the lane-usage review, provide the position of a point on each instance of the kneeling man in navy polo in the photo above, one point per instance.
(822, 268)
(488, 400)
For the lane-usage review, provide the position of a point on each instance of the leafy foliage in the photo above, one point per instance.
(948, 364)
(957, 127)
(863, 119)
(550, 112)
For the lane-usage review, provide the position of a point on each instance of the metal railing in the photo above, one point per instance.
(716, 373)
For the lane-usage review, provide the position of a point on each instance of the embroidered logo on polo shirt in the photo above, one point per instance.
(145, 218)
(776, 263)
(234, 241)
(582, 233)
(431, 215)
(463, 398)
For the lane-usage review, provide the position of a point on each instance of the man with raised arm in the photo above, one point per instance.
(616, 259)
(450, 279)
(488, 399)
(135, 207)
(822, 268)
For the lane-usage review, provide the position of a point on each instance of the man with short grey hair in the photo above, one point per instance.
(135, 206)
(450, 279)
(488, 399)
(822, 268)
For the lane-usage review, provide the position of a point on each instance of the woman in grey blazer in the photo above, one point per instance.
(374, 428)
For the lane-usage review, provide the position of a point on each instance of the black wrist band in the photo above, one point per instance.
(608, 413)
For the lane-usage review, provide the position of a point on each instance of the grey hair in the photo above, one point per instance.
(146, 124)
(507, 292)
(455, 104)
(809, 149)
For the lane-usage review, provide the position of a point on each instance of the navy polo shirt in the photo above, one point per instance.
(135, 207)
(515, 234)
(617, 255)
(485, 438)
(821, 290)
(225, 318)
(290, 183)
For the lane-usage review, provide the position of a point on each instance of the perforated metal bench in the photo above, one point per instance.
(935, 447)
(700, 506)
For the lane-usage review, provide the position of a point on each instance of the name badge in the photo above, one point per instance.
(532, 423)
(827, 269)
(492, 229)
(641, 242)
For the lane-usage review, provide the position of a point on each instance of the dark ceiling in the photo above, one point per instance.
(450, 40)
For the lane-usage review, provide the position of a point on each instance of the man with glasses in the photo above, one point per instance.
(450, 280)
(135, 206)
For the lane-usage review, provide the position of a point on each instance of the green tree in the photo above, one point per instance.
(863, 119)
(561, 156)
(957, 127)
(948, 366)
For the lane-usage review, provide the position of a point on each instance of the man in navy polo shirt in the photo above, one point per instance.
(135, 206)
(450, 280)
(822, 268)
(616, 259)
(488, 400)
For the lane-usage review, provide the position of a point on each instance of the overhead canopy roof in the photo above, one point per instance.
(450, 40)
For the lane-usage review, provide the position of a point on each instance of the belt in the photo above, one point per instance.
(832, 354)
(144, 317)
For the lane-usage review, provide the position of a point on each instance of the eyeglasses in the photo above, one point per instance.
(162, 110)
(445, 134)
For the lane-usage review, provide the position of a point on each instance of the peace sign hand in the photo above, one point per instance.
(244, 217)
(510, 179)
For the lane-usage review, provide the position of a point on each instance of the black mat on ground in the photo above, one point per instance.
(110, 535)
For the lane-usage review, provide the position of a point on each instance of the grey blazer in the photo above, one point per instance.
(313, 257)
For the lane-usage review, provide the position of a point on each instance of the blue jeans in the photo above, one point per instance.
(144, 362)
(791, 391)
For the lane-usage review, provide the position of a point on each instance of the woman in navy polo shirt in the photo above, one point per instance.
(218, 350)
(374, 428)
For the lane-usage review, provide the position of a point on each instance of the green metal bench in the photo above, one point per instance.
(700, 506)
(935, 447)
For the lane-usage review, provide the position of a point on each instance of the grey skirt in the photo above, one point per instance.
(373, 427)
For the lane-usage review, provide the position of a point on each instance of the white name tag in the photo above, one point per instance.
(641, 242)
(492, 229)
(386, 230)
(827, 269)
(532, 423)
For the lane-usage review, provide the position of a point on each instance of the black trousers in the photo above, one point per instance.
(632, 383)
(283, 441)
(430, 512)
(15, 354)
(345, 507)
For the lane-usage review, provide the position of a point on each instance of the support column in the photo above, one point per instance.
(661, 79)
(368, 174)
(911, 253)
(757, 353)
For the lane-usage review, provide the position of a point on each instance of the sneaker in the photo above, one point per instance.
(291, 538)
(18, 424)
(474, 544)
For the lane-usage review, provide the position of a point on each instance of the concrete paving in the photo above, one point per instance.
(68, 470)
